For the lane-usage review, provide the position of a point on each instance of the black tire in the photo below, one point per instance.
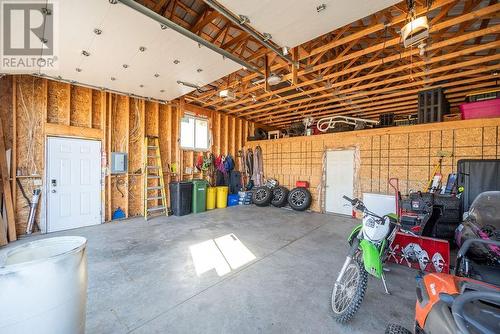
(280, 196)
(299, 199)
(396, 329)
(262, 196)
(344, 315)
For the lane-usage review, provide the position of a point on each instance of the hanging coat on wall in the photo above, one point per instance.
(258, 167)
(221, 177)
(249, 162)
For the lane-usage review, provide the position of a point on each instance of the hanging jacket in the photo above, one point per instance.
(249, 162)
(258, 167)
(229, 163)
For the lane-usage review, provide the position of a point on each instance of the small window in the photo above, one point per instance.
(194, 133)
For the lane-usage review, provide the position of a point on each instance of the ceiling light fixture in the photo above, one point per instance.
(141, 86)
(274, 79)
(416, 31)
(163, 27)
(78, 69)
(85, 53)
(125, 66)
(113, 2)
(227, 94)
(97, 31)
(199, 70)
(156, 75)
(113, 78)
(142, 48)
(162, 90)
(176, 61)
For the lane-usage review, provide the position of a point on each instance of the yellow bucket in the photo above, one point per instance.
(222, 196)
(211, 191)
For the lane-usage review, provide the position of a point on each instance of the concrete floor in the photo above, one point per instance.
(142, 277)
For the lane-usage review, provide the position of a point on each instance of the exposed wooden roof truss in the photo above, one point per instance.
(359, 70)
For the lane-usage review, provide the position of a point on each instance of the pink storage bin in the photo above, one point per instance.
(481, 109)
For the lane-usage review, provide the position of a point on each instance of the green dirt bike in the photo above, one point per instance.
(369, 243)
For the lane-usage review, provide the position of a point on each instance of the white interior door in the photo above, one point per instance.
(339, 181)
(73, 183)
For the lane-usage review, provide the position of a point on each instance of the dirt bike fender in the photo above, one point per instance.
(354, 233)
(371, 258)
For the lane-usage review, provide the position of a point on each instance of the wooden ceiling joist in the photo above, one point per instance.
(360, 69)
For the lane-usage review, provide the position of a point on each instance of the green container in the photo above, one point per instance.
(199, 195)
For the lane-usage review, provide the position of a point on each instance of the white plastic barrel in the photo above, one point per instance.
(43, 287)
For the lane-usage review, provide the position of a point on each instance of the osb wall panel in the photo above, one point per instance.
(166, 141)
(152, 114)
(39, 101)
(136, 157)
(81, 107)
(124, 121)
(31, 115)
(58, 102)
(6, 108)
(407, 153)
(119, 143)
(98, 106)
(31, 109)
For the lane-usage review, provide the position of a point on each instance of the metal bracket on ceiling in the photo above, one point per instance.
(244, 19)
(267, 36)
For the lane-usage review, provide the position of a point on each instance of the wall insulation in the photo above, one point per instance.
(409, 153)
(32, 108)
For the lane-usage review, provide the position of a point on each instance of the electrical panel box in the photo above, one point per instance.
(119, 162)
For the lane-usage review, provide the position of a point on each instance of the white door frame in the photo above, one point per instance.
(45, 188)
(355, 151)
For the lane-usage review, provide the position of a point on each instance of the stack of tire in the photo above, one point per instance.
(299, 198)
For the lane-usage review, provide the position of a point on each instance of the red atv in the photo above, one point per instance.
(460, 303)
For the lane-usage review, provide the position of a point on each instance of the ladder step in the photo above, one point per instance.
(152, 147)
(154, 198)
(156, 208)
(154, 188)
(153, 176)
(153, 156)
(153, 167)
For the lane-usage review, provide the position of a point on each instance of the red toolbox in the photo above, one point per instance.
(481, 109)
(302, 184)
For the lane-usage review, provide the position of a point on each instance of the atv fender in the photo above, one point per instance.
(371, 258)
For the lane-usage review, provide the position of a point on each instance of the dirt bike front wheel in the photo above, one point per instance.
(349, 292)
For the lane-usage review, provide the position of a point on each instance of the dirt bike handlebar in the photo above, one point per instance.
(356, 203)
